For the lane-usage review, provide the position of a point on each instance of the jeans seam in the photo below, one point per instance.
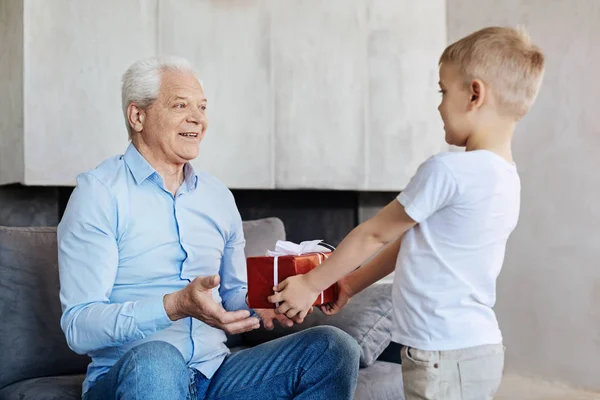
(137, 385)
(254, 384)
(325, 351)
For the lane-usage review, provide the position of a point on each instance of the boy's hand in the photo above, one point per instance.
(296, 296)
(344, 295)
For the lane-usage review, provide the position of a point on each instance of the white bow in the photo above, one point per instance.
(284, 248)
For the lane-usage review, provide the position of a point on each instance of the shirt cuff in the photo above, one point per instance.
(150, 315)
(238, 302)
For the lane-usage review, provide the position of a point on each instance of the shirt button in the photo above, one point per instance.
(435, 365)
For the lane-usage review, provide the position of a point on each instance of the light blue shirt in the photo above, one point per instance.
(125, 241)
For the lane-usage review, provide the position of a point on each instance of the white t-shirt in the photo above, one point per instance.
(466, 205)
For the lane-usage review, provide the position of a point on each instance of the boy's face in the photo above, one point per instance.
(454, 108)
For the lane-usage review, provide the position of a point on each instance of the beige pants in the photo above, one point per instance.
(466, 374)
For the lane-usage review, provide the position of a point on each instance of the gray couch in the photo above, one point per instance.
(35, 362)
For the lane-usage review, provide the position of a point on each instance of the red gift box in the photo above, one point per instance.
(261, 277)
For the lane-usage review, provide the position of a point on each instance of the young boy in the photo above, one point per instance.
(452, 223)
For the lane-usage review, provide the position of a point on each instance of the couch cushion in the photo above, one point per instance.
(32, 343)
(51, 388)
(381, 381)
(367, 318)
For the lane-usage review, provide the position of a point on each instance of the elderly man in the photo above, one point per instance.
(152, 269)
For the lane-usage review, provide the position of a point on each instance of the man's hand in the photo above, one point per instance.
(196, 301)
(296, 296)
(345, 293)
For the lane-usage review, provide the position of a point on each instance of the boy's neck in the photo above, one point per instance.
(497, 140)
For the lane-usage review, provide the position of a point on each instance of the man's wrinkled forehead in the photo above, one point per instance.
(184, 84)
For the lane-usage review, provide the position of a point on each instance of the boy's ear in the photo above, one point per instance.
(478, 93)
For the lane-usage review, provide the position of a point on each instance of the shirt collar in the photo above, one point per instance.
(141, 169)
(190, 176)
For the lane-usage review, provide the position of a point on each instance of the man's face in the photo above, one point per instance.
(454, 106)
(175, 123)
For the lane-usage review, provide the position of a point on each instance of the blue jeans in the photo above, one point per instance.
(317, 363)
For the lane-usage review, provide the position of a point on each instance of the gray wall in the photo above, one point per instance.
(11, 82)
(549, 290)
(311, 94)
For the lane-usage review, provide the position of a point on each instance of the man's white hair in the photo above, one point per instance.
(141, 82)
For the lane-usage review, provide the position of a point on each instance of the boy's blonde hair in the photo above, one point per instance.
(506, 60)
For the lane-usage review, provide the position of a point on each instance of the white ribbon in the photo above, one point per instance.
(276, 275)
(284, 248)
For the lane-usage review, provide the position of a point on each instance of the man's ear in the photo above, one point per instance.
(478, 93)
(135, 117)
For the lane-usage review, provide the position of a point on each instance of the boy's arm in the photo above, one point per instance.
(375, 269)
(365, 240)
